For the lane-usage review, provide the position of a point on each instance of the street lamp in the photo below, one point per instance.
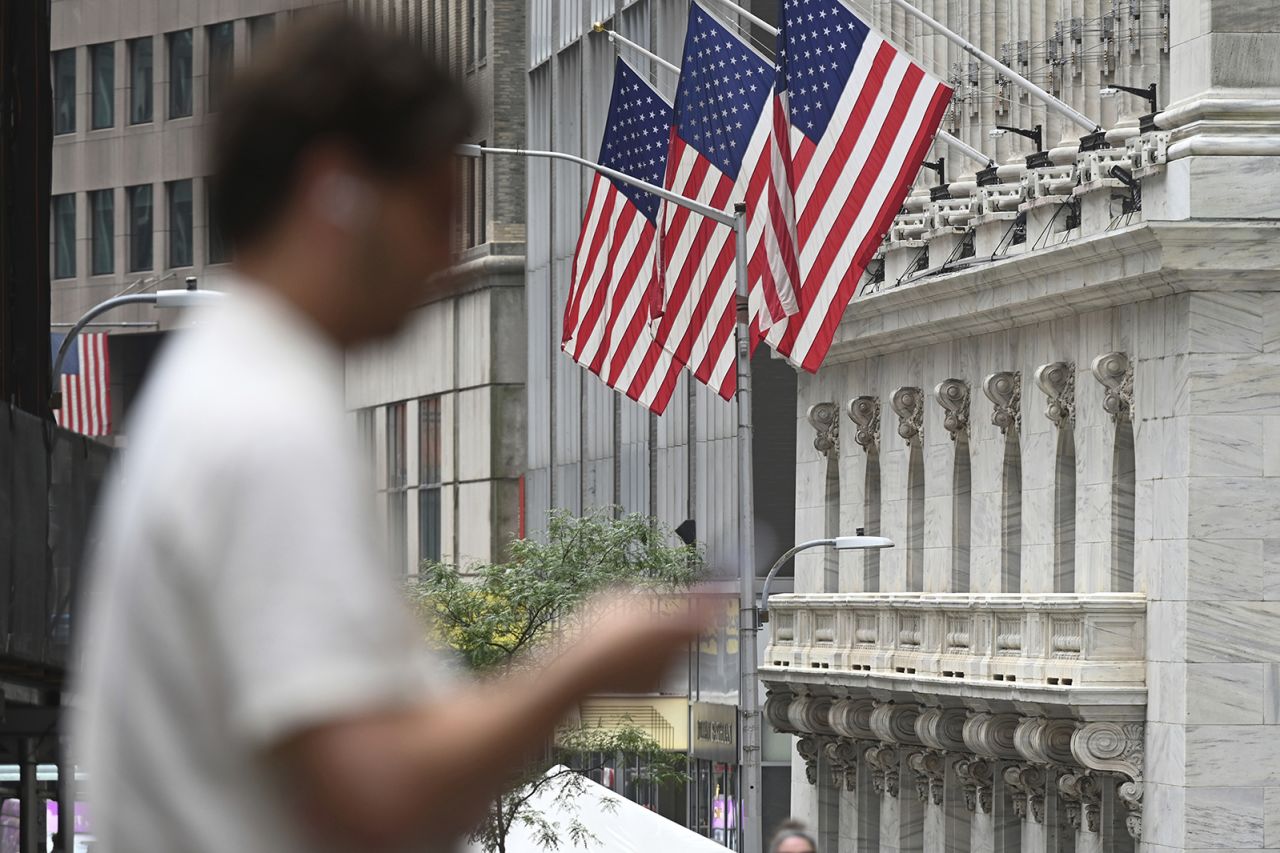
(1146, 123)
(839, 543)
(748, 699)
(161, 299)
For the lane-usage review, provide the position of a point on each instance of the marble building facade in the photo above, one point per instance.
(1073, 439)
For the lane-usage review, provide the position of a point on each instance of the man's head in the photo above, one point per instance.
(792, 837)
(333, 173)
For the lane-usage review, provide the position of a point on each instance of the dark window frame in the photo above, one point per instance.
(142, 108)
(180, 46)
(63, 209)
(174, 207)
(134, 239)
(102, 70)
(63, 70)
(102, 232)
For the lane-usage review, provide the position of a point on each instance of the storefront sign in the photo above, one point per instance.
(714, 730)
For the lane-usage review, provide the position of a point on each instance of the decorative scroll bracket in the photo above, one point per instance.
(1027, 783)
(953, 396)
(1118, 748)
(1081, 794)
(1004, 390)
(930, 770)
(1058, 382)
(865, 414)
(825, 420)
(908, 404)
(975, 779)
(1115, 372)
(883, 761)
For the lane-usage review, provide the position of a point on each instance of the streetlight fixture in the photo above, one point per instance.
(1146, 123)
(748, 698)
(860, 542)
(187, 298)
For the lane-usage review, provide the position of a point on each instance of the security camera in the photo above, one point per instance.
(996, 133)
(1108, 91)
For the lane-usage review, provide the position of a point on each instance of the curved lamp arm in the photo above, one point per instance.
(840, 543)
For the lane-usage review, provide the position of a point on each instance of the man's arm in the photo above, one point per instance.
(380, 780)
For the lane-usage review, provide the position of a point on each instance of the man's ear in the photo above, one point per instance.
(341, 199)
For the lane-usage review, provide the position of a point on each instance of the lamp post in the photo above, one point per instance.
(161, 299)
(748, 698)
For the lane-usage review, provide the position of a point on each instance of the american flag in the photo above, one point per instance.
(720, 154)
(856, 119)
(605, 318)
(85, 384)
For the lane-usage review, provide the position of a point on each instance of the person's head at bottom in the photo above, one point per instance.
(333, 174)
(792, 837)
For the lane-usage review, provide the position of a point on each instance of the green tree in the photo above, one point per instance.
(497, 616)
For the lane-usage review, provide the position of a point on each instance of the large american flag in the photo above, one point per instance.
(606, 325)
(85, 383)
(856, 118)
(720, 154)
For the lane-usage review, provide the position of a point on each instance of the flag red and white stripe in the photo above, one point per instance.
(856, 118)
(85, 383)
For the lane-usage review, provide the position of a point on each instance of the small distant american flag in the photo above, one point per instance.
(856, 119)
(85, 383)
(606, 326)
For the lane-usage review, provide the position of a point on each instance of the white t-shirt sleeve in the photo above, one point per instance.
(311, 626)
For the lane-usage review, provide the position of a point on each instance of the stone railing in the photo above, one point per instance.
(1042, 641)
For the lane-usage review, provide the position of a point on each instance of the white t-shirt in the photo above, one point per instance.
(237, 594)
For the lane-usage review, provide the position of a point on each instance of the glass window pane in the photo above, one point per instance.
(180, 102)
(140, 228)
(429, 523)
(219, 251)
(429, 441)
(141, 80)
(262, 32)
(180, 254)
(64, 236)
(103, 65)
(482, 30)
(102, 206)
(64, 91)
(222, 54)
(397, 529)
(397, 475)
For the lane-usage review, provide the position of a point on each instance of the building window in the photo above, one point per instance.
(262, 33)
(180, 254)
(102, 221)
(64, 91)
(222, 57)
(180, 101)
(64, 235)
(141, 80)
(139, 227)
(397, 486)
(219, 251)
(102, 66)
(429, 479)
(472, 209)
(482, 30)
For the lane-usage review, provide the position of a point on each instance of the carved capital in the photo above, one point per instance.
(808, 747)
(1027, 785)
(883, 760)
(930, 770)
(843, 757)
(825, 420)
(1082, 797)
(953, 396)
(1115, 372)
(1044, 741)
(895, 723)
(1058, 382)
(975, 780)
(908, 405)
(865, 414)
(1116, 748)
(942, 728)
(851, 718)
(1004, 390)
(992, 735)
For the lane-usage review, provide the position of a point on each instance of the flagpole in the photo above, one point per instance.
(749, 735)
(965, 149)
(599, 27)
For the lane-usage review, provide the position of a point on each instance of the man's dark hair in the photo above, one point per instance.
(333, 79)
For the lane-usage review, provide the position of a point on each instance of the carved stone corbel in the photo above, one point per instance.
(1083, 799)
(851, 718)
(777, 704)
(1027, 784)
(1004, 390)
(883, 760)
(895, 723)
(1058, 382)
(953, 396)
(942, 728)
(975, 780)
(992, 735)
(1117, 748)
(1044, 741)
(1115, 373)
(825, 420)
(811, 715)
(808, 747)
(908, 404)
(843, 756)
(865, 414)
(930, 770)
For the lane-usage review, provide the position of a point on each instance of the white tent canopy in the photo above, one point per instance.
(619, 825)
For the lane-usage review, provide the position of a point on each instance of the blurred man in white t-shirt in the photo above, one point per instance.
(251, 679)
